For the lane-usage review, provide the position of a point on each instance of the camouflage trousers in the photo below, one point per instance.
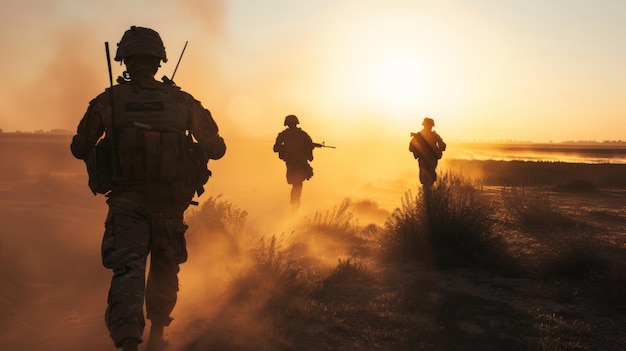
(132, 234)
(298, 172)
(428, 174)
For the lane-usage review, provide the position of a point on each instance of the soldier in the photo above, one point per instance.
(154, 168)
(427, 147)
(295, 147)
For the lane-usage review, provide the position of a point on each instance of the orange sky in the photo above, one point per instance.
(483, 69)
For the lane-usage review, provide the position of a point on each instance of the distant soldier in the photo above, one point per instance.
(427, 147)
(149, 167)
(295, 147)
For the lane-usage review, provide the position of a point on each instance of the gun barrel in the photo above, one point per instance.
(323, 145)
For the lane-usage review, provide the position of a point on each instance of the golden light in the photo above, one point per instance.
(386, 65)
(390, 82)
(398, 83)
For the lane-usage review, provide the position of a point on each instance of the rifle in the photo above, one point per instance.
(171, 80)
(323, 144)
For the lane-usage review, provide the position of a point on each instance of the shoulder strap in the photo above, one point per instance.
(432, 150)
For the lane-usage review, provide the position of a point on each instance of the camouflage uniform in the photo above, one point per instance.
(145, 212)
(295, 147)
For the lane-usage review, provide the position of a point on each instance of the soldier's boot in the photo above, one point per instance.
(155, 340)
(130, 345)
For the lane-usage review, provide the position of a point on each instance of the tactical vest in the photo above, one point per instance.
(294, 145)
(149, 143)
(425, 146)
(149, 129)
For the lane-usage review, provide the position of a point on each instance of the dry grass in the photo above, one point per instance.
(537, 266)
(376, 301)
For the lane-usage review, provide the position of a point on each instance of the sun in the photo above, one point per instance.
(391, 83)
(397, 83)
(389, 68)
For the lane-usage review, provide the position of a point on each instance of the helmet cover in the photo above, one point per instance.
(140, 41)
(428, 121)
(291, 119)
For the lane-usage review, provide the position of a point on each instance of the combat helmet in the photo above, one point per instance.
(291, 120)
(428, 121)
(140, 41)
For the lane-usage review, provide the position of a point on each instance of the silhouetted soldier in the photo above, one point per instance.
(295, 147)
(427, 147)
(149, 168)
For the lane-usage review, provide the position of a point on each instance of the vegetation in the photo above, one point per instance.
(450, 225)
(443, 273)
(541, 173)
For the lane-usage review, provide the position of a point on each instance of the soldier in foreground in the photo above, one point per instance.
(427, 147)
(295, 147)
(149, 167)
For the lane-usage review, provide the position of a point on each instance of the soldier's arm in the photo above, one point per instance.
(205, 130)
(310, 146)
(414, 147)
(440, 143)
(90, 128)
(278, 143)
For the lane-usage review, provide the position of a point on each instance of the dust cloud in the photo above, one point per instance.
(57, 64)
(54, 286)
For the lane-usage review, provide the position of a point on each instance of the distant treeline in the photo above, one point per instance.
(586, 152)
(541, 173)
(40, 131)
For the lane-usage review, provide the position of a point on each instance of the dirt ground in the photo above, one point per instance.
(54, 288)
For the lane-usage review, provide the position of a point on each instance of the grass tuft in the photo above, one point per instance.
(450, 226)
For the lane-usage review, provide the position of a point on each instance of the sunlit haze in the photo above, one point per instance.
(371, 70)
(360, 75)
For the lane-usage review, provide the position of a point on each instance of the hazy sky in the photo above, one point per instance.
(483, 69)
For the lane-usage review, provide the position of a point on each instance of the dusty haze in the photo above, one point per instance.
(54, 292)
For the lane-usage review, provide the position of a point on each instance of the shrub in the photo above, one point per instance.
(405, 235)
(339, 221)
(343, 231)
(347, 271)
(450, 224)
(219, 217)
(280, 267)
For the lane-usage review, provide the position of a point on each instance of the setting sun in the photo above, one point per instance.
(316, 175)
(398, 83)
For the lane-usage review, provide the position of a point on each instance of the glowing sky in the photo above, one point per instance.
(483, 69)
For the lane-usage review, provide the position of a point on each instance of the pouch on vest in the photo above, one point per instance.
(99, 168)
(195, 163)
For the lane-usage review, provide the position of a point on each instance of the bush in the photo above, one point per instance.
(346, 272)
(219, 217)
(450, 225)
(339, 221)
(281, 267)
(339, 232)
